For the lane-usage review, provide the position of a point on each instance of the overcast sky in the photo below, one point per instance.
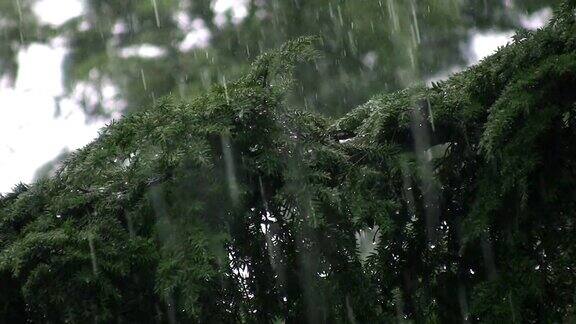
(32, 135)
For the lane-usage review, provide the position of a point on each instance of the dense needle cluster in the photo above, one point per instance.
(444, 204)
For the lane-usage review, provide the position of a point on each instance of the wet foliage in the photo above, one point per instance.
(236, 207)
(368, 46)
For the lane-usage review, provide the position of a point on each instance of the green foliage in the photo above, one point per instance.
(368, 46)
(235, 207)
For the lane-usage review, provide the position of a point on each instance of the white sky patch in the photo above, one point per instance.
(108, 96)
(443, 75)
(84, 26)
(199, 36)
(143, 51)
(119, 28)
(480, 46)
(367, 241)
(48, 82)
(369, 60)
(238, 8)
(57, 12)
(486, 44)
(536, 20)
(182, 20)
(31, 135)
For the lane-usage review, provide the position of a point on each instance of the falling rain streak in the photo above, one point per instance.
(415, 26)
(230, 171)
(429, 182)
(19, 9)
(143, 77)
(156, 15)
(225, 85)
(431, 115)
(93, 254)
(393, 15)
(289, 225)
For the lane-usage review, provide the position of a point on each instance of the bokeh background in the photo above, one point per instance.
(68, 67)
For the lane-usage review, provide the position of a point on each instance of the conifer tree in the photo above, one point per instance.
(236, 207)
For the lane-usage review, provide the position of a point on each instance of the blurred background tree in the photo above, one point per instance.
(18, 27)
(123, 54)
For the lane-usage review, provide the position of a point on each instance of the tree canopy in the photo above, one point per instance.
(368, 46)
(438, 204)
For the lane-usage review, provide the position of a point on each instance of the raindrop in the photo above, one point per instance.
(19, 8)
(393, 15)
(415, 22)
(463, 302)
(230, 172)
(263, 196)
(156, 13)
(340, 15)
(225, 89)
(130, 224)
(143, 79)
(93, 255)
(431, 114)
